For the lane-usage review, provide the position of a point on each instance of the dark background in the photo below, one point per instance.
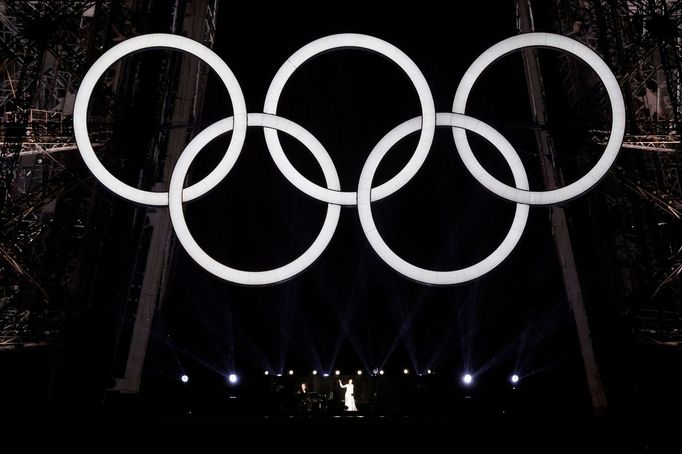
(350, 310)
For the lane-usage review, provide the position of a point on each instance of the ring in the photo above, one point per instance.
(421, 274)
(211, 265)
(602, 166)
(157, 40)
(355, 41)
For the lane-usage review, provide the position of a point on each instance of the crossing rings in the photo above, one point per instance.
(425, 123)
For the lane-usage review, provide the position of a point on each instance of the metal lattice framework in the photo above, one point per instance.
(640, 39)
(47, 207)
(45, 48)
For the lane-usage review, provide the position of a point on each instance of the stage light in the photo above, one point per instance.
(514, 378)
(267, 372)
(291, 372)
(184, 378)
(381, 372)
(232, 378)
(429, 371)
(325, 375)
(467, 379)
(405, 371)
(314, 372)
(337, 372)
(359, 372)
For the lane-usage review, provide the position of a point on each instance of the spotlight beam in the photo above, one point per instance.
(351, 305)
(404, 331)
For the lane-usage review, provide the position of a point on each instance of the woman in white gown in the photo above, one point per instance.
(349, 398)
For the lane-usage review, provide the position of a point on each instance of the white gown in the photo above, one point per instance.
(349, 398)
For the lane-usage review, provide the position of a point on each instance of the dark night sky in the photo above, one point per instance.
(349, 309)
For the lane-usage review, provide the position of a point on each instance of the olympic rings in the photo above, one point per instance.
(332, 194)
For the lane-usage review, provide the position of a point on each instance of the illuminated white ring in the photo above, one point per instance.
(158, 40)
(356, 41)
(617, 113)
(218, 269)
(421, 274)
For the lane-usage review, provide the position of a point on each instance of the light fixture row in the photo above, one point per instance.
(467, 378)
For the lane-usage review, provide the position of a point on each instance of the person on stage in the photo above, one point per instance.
(303, 399)
(350, 396)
